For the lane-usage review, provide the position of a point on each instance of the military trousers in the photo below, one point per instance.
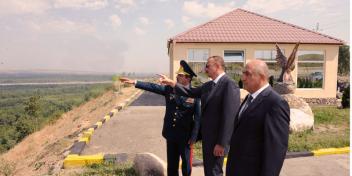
(175, 151)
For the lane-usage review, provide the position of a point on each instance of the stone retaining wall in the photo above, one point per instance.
(323, 101)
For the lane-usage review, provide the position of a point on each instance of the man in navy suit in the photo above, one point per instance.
(181, 121)
(220, 102)
(260, 136)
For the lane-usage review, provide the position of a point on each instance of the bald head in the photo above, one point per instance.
(255, 75)
(259, 67)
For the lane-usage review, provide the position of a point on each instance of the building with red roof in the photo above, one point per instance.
(240, 36)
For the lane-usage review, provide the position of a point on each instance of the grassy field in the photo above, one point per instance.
(25, 109)
(331, 129)
(109, 169)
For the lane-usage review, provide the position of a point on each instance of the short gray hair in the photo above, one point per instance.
(219, 60)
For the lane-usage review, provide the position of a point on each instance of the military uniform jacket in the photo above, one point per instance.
(182, 116)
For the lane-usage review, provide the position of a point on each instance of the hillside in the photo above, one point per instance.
(43, 152)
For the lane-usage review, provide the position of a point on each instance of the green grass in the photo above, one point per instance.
(331, 129)
(331, 115)
(109, 169)
(197, 150)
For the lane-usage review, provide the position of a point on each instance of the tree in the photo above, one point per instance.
(32, 107)
(344, 60)
(346, 97)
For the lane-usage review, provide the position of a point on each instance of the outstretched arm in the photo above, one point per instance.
(127, 80)
(180, 89)
(151, 87)
(166, 81)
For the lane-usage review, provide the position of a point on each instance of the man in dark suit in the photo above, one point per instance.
(260, 136)
(181, 121)
(220, 99)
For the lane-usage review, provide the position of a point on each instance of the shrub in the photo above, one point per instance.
(346, 97)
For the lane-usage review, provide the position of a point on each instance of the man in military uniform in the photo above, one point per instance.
(181, 121)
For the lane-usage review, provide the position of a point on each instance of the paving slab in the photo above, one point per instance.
(329, 165)
(135, 129)
(317, 166)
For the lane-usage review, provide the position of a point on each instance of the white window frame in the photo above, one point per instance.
(197, 60)
(272, 56)
(324, 67)
(240, 50)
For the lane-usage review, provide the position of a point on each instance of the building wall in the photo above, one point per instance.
(330, 66)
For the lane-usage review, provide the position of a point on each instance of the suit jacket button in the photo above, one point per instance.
(173, 125)
(174, 120)
(175, 113)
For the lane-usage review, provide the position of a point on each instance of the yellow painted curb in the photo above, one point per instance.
(87, 134)
(91, 130)
(122, 105)
(72, 161)
(99, 124)
(114, 111)
(84, 139)
(107, 118)
(329, 151)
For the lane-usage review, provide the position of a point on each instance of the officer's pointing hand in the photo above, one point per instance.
(126, 80)
(165, 80)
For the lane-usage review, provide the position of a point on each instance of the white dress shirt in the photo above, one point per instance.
(216, 80)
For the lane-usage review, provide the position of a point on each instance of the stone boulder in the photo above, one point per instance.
(302, 117)
(284, 87)
(148, 164)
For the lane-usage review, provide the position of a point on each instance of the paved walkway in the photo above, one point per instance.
(138, 129)
(331, 165)
(317, 166)
(133, 130)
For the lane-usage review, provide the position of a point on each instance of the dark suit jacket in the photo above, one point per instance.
(219, 108)
(182, 115)
(260, 137)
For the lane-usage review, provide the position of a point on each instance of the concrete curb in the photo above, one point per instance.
(75, 159)
(289, 155)
(319, 152)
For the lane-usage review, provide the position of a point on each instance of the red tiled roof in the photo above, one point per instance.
(241, 26)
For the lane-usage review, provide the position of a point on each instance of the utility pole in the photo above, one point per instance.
(317, 29)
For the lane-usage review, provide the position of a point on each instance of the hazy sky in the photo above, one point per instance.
(131, 35)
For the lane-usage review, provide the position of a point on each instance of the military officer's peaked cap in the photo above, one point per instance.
(185, 69)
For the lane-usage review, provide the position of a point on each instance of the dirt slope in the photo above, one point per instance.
(42, 152)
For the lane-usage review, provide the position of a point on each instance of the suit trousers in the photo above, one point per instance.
(212, 164)
(175, 150)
